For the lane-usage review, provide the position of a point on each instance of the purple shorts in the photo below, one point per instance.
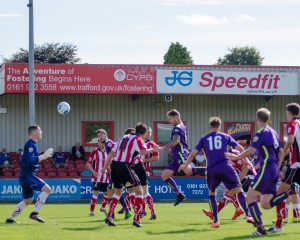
(175, 164)
(222, 173)
(266, 179)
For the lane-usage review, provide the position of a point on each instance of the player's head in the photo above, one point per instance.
(129, 131)
(101, 144)
(35, 132)
(263, 115)
(174, 117)
(101, 134)
(215, 123)
(148, 133)
(141, 129)
(292, 110)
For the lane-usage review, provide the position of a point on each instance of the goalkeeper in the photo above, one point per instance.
(28, 179)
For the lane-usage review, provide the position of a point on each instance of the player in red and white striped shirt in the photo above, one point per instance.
(96, 163)
(121, 157)
(292, 174)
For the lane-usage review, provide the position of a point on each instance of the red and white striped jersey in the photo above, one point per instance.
(238, 164)
(128, 148)
(293, 128)
(149, 144)
(97, 160)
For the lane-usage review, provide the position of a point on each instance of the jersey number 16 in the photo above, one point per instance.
(215, 143)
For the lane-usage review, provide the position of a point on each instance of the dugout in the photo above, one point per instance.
(117, 96)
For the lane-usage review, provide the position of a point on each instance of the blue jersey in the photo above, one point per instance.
(30, 158)
(267, 144)
(180, 150)
(214, 146)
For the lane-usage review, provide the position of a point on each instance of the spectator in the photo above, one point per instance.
(59, 158)
(78, 152)
(4, 158)
(20, 152)
(86, 172)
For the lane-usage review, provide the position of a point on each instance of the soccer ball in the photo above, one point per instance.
(63, 108)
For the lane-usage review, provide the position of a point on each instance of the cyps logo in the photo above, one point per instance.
(184, 78)
(120, 75)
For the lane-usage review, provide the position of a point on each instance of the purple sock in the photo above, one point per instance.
(242, 201)
(172, 184)
(198, 171)
(255, 213)
(214, 207)
(123, 203)
(277, 199)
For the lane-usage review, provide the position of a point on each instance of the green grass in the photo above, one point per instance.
(186, 221)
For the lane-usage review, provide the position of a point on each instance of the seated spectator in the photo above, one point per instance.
(86, 172)
(78, 152)
(20, 152)
(4, 158)
(59, 158)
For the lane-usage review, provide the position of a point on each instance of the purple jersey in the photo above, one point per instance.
(214, 146)
(109, 145)
(180, 151)
(267, 144)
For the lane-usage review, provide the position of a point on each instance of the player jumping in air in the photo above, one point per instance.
(266, 143)
(99, 180)
(247, 174)
(109, 144)
(120, 158)
(28, 179)
(214, 146)
(179, 152)
(292, 174)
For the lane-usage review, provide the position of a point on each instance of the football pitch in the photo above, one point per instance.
(186, 221)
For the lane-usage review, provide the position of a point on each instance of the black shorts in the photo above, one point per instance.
(123, 176)
(101, 187)
(292, 175)
(246, 184)
(140, 171)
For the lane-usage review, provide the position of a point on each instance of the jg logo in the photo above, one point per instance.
(184, 78)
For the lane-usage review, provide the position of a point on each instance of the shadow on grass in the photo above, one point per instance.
(84, 229)
(276, 235)
(188, 230)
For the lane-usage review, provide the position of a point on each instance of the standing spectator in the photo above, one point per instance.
(4, 158)
(78, 152)
(20, 152)
(59, 158)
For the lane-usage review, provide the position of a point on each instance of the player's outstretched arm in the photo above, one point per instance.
(190, 158)
(152, 159)
(174, 142)
(288, 144)
(108, 161)
(245, 169)
(281, 157)
(249, 152)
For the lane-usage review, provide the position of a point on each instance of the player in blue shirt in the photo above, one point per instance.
(28, 179)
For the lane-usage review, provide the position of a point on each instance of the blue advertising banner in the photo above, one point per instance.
(61, 189)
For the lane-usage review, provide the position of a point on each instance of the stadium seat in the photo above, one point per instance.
(7, 172)
(80, 165)
(41, 174)
(80, 161)
(62, 174)
(51, 174)
(14, 154)
(67, 154)
(73, 172)
(14, 158)
(48, 165)
(61, 170)
(87, 154)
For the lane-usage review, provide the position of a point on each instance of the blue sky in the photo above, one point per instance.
(140, 31)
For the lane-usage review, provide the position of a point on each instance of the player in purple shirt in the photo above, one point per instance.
(214, 146)
(179, 152)
(269, 150)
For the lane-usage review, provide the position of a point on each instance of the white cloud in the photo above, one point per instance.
(197, 20)
(175, 3)
(244, 18)
(10, 15)
(146, 27)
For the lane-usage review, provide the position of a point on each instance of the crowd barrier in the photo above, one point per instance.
(79, 189)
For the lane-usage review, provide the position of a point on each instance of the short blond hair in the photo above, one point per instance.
(263, 115)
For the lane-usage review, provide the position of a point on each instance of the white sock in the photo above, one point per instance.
(19, 208)
(147, 194)
(40, 201)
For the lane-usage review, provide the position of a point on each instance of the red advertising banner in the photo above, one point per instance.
(81, 79)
